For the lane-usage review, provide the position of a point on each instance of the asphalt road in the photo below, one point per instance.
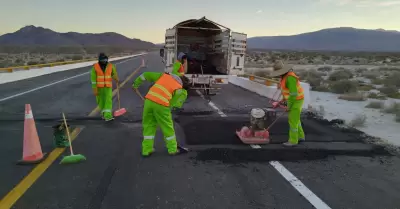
(218, 173)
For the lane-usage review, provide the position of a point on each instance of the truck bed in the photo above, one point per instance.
(195, 68)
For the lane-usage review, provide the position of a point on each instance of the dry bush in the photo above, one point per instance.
(361, 70)
(390, 91)
(261, 73)
(321, 88)
(397, 117)
(377, 81)
(375, 105)
(374, 95)
(393, 108)
(358, 121)
(353, 97)
(365, 87)
(392, 80)
(344, 87)
(325, 69)
(371, 74)
(341, 74)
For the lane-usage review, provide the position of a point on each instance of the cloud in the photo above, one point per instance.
(388, 3)
(259, 11)
(363, 3)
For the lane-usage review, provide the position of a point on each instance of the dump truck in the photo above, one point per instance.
(214, 52)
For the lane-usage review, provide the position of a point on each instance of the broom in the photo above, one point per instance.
(72, 158)
(120, 111)
(180, 148)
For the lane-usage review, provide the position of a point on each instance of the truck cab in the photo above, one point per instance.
(214, 52)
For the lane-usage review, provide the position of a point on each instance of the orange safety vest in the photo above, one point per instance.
(181, 70)
(161, 92)
(103, 78)
(285, 90)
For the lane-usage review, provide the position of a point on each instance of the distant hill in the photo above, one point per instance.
(332, 39)
(38, 36)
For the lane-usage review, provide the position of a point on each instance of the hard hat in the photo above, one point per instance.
(181, 55)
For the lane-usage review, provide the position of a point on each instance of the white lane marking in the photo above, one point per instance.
(51, 84)
(299, 186)
(222, 114)
(255, 146)
(295, 182)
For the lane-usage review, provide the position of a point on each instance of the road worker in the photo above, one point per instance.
(167, 93)
(179, 68)
(101, 75)
(293, 95)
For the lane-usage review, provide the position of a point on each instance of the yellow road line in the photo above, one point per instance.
(12, 197)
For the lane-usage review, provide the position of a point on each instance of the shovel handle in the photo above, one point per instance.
(275, 121)
(69, 137)
(139, 94)
(119, 101)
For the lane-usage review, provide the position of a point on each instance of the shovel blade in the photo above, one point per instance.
(183, 149)
(119, 112)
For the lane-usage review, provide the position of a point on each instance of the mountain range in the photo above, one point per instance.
(39, 36)
(332, 39)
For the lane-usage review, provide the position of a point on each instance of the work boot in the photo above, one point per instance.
(289, 144)
(148, 154)
(108, 116)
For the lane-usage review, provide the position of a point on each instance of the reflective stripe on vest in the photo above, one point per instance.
(161, 92)
(285, 91)
(103, 78)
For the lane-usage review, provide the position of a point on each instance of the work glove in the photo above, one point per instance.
(95, 92)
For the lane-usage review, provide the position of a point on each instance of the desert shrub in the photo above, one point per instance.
(341, 74)
(19, 61)
(393, 108)
(344, 86)
(375, 105)
(77, 57)
(377, 81)
(390, 91)
(325, 69)
(374, 95)
(353, 97)
(371, 74)
(358, 121)
(392, 80)
(261, 73)
(314, 82)
(365, 87)
(32, 63)
(361, 70)
(397, 116)
(321, 88)
(60, 60)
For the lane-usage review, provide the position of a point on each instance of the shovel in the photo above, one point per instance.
(180, 148)
(120, 111)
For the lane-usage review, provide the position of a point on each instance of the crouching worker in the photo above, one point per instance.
(293, 95)
(168, 92)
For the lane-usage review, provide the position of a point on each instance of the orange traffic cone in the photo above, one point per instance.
(32, 150)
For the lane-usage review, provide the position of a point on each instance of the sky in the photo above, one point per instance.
(148, 19)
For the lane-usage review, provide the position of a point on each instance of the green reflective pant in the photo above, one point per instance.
(155, 115)
(104, 101)
(296, 130)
